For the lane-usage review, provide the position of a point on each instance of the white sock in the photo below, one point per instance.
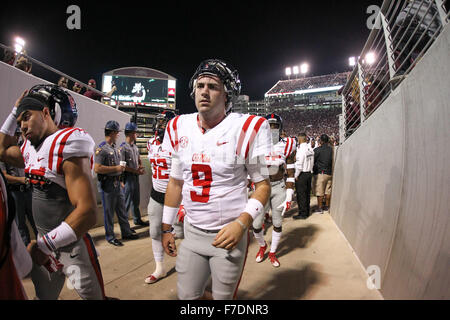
(159, 271)
(260, 238)
(275, 240)
(158, 253)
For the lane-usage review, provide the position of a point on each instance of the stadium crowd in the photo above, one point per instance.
(313, 122)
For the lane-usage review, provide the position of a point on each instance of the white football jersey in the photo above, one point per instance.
(161, 162)
(280, 152)
(46, 162)
(214, 164)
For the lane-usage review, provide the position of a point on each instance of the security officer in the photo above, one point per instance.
(130, 154)
(109, 168)
(21, 193)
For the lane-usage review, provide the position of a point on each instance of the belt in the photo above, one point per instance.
(204, 230)
(275, 183)
(157, 196)
(323, 172)
(20, 187)
(131, 174)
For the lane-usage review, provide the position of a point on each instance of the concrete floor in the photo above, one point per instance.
(316, 264)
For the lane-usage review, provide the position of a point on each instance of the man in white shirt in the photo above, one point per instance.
(303, 175)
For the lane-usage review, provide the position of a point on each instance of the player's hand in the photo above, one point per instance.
(168, 243)
(53, 264)
(141, 170)
(37, 255)
(229, 237)
(122, 185)
(180, 214)
(286, 205)
(20, 98)
(120, 168)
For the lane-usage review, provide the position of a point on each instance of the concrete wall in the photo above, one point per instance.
(92, 115)
(391, 183)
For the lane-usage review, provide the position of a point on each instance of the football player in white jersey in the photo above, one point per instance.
(58, 162)
(212, 154)
(160, 161)
(283, 153)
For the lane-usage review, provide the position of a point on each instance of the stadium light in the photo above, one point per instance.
(19, 44)
(288, 71)
(352, 61)
(370, 58)
(304, 68)
(295, 70)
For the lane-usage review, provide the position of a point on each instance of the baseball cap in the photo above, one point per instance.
(92, 81)
(112, 125)
(131, 126)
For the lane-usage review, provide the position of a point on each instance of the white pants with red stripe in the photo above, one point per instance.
(198, 260)
(81, 268)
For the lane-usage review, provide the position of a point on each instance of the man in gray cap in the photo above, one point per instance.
(109, 167)
(133, 169)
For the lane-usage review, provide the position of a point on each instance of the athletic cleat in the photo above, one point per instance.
(260, 254)
(273, 260)
(152, 279)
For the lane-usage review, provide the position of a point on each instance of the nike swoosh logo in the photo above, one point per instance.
(74, 256)
(221, 143)
(53, 237)
(39, 159)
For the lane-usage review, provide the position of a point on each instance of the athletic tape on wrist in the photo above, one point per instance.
(290, 180)
(241, 223)
(254, 208)
(59, 237)
(10, 125)
(290, 166)
(169, 215)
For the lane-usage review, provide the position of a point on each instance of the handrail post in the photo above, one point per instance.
(361, 92)
(342, 126)
(442, 14)
(388, 41)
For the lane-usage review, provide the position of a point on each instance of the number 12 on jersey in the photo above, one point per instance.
(159, 165)
(205, 183)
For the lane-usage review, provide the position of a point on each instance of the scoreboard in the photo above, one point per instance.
(140, 90)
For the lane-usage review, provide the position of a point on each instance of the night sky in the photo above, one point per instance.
(259, 38)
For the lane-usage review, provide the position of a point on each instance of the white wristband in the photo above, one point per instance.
(290, 180)
(290, 166)
(254, 208)
(169, 215)
(10, 125)
(59, 237)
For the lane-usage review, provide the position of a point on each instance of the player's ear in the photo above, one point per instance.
(46, 112)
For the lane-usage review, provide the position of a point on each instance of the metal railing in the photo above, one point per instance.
(61, 74)
(403, 32)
